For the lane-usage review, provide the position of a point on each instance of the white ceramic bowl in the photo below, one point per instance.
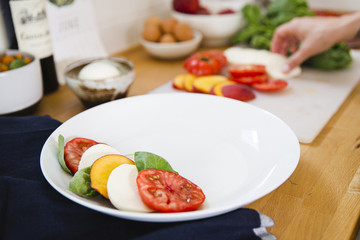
(21, 88)
(172, 50)
(95, 92)
(217, 29)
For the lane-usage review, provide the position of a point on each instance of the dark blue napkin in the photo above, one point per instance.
(31, 209)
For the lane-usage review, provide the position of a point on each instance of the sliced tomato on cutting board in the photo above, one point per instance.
(251, 79)
(245, 70)
(271, 85)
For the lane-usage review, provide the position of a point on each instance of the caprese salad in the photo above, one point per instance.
(142, 182)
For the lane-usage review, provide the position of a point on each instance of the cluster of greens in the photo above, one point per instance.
(260, 29)
(81, 183)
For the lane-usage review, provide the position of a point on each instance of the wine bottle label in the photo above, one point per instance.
(31, 27)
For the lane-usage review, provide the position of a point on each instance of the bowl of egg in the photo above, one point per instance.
(169, 38)
(98, 80)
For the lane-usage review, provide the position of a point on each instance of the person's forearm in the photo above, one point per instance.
(351, 26)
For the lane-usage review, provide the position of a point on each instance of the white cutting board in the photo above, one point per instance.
(309, 101)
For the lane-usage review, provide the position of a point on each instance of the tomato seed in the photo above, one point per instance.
(153, 177)
(188, 186)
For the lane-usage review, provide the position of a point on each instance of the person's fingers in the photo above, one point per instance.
(278, 39)
(296, 59)
(276, 44)
(282, 38)
(282, 47)
(293, 45)
(292, 62)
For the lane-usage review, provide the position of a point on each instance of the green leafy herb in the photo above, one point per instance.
(260, 28)
(252, 13)
(145, 160)
(80, 183)
(337, 57)
(61, 159)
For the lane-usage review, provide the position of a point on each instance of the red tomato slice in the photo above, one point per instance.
(73, 151)
(165, 191)
(251, 79)
(272, 85)
(245, 70)
(325, 13)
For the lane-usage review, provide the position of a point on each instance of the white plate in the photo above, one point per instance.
(235, 152)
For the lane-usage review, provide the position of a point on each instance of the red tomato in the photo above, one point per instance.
(251, 79)
(271, 85)
(219, 55)
(204, 63)
(202, 11)
(226, 11)
(245, 70)
(73, 151)
(165, 191)
(324, 13)
(186, 6)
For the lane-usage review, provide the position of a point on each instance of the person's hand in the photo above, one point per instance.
(307, 36)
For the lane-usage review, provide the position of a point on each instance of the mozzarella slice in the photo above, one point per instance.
(123, 191)
(95, 152)
(273, 61)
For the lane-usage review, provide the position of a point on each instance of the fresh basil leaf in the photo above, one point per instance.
(145, 160)
(61, 159)
(81, 184)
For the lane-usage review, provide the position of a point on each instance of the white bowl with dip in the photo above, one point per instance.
(98, 80)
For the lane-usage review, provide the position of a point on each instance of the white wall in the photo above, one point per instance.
(342, 5)
(93, 28)
(120, 22)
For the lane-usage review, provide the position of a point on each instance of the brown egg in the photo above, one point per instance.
(154, 20)
(183, 32)
(169, 24)
(167, 38)
(152, 33)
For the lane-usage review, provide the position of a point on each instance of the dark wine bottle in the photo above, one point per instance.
(33, 36)
(8, 25)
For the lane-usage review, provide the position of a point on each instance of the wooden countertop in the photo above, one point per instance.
(320, 200)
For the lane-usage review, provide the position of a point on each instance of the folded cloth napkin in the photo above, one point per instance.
(31, 209)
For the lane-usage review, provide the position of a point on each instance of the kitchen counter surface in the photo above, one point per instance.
(320, 200)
